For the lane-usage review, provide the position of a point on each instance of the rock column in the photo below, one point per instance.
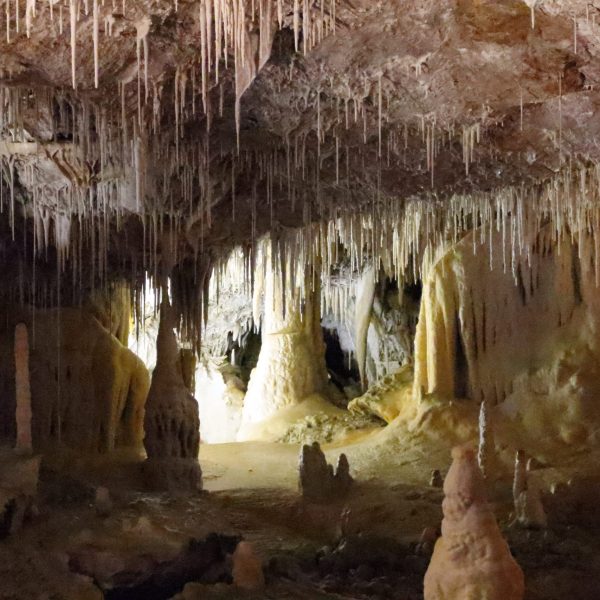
(172, 424)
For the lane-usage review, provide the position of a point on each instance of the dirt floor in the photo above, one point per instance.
(68, 552)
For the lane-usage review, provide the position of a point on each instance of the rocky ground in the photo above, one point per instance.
(365, 546)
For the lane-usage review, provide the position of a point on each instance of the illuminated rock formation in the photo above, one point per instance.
(471, 559)
(171, 423)
(23, 390)
(291, 364)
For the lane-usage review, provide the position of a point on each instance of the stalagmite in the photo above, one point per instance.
(291, 364)
(471, 559)
(364, 303)
(95, 26)
(486, 440)
(529, 510)
(532, 5)
(23, 391)
(171, 422)
(318, 482)
(73, 34)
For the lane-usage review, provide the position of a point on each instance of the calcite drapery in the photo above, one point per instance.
(471, 559)
(172, 424)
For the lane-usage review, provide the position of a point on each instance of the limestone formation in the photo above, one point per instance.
(19, 475)
(364, 302)
(291, 364)
(171, 423)
(520, 475)
(342, 479)
(318, 482)
(23, 389)
(247, 570)
(87, 390)
(486, 439)
(529, 510)
(471, 559)
(436, 479)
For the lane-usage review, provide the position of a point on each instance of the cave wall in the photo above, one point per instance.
(88, 390)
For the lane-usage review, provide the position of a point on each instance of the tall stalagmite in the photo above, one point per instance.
(291, 364)
(23, 389)
(471, 559)
(171, 423)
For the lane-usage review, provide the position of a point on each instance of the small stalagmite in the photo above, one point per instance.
(23, 390)
(247, 568)
(102, 502)
(520, 476)
(486, 440)
(436, 479)
(471, 559)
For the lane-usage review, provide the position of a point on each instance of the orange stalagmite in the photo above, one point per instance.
(471, 559)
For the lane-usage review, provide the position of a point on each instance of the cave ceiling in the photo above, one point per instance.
(116, 115)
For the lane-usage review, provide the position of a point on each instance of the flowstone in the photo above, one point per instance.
(291, 363)
(471, 559)
(318, 481)
(171, 423)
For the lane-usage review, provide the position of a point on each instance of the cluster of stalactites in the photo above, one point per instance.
(406, 239)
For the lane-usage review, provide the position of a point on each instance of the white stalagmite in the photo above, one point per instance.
(95, 26)
(486, 440)
(23, 391)
(532, 5)
(73, 32)
(529, 510)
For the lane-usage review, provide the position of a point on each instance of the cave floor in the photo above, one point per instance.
(67, 552)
